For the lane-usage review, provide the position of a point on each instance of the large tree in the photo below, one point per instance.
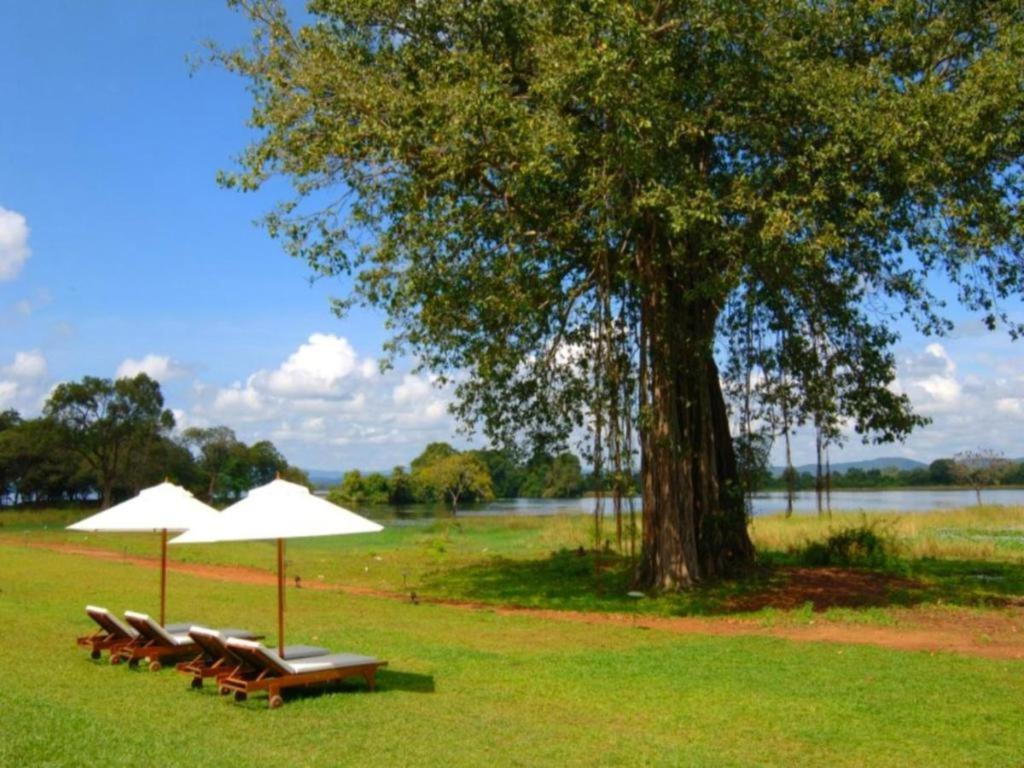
(560, 198)
(36, 464)
(9, 420)
(105, 421)
(455, 478)
(221, 457)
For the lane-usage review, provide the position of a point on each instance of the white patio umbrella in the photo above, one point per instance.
(162, 508)
(278, 510)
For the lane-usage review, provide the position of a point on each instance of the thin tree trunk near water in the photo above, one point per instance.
(819, 486)
(784, 402)
(828, 482)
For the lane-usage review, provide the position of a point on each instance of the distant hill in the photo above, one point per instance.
(886, 462)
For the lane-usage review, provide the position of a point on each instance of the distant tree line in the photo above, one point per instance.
(102, 439)
(974, 469)
(442, 474)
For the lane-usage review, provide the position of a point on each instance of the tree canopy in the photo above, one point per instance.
(575, 204)
(979, 468)
(111, 439)
(456, 478)
(108, 423)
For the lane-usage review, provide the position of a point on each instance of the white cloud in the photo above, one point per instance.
(27, 366)
(159, 367)
(327, 406)
(8, 393)
(23, 382)
(14, 248)
(942, 389)
(930, 380)
(317, 368)
(315, 424)
(421, 400)
(237, 401)
(972, 398)
(412, 389)
(1010, 405)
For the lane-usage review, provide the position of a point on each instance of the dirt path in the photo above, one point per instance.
(996, 634)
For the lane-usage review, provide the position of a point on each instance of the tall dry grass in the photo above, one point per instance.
(973, 533)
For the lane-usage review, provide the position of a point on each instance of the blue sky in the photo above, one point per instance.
(118, 252)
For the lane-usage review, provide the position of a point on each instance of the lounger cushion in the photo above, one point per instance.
(334, 661)
(243, 634)
(110, 622)
(293, 652)
(274, 662)
(209, 640)
(154, 631)
(262, 655)
(212, 641)
(213, 644)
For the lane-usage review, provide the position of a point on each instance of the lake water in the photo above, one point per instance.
(764, 504)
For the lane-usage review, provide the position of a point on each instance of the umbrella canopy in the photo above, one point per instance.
(162, 508)
(279, 510)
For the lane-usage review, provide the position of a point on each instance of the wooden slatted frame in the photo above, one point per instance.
(153, 652)
(100, 641)
(242, 684)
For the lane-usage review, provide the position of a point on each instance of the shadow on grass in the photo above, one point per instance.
(571, 580)
(387, 682)
(408, 682)
(575, 580)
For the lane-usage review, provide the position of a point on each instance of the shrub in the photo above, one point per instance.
(864, 545)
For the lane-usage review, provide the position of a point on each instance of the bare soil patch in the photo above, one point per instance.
(824, 588)
(997, 633)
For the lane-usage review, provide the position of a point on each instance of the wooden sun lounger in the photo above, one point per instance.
(215, 659)
(112, 634)
(264, 670)
(155, 644)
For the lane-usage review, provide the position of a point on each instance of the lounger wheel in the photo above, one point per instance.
(154, 666)
(223, 690)
(197, 682)
(95, 654)
(241, 696)
(275, 702)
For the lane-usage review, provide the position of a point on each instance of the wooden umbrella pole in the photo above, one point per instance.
(163, 576)
(280, 597)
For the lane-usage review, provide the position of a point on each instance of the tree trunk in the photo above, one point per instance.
(694, 519)
(789, 472)
(107, 494)
(828, 482)
(819, 482)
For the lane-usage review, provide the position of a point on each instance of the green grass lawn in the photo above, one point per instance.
(972, 558)
(472, 688)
